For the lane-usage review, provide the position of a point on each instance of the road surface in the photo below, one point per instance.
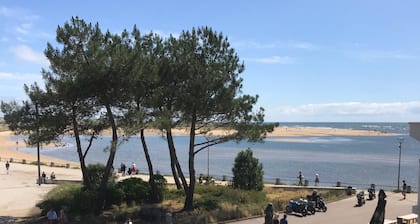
(346, 212)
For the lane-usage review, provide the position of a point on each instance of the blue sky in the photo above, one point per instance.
(309, 61)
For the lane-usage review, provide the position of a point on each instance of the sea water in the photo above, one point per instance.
(356, 161)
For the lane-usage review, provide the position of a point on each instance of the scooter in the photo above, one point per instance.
(361, 198)
(297, 206)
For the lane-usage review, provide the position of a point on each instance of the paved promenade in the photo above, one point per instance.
(345, 211)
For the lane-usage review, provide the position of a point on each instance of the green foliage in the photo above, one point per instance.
(95, 174)
(247, 172)
(135, 190)
(71, 197)
(160, 182)
(114, 196)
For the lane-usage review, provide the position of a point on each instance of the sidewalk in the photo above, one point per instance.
(345, 211)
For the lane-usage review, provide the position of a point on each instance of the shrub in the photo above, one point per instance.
(160, 182)
(135, 190)
(114, 196)
(247, 172)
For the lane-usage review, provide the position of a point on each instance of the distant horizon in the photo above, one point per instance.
(364, 122)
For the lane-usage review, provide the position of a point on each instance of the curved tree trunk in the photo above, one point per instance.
(109, 165)
(86, 181)
(174, 159)
(154, 196)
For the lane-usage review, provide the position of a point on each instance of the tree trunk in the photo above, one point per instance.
(153, 194)
(174, 159)
(109, 165)
(189, 194)
(86, 181)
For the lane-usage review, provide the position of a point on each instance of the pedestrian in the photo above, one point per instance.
(52, 216)
(7, 167)
(268, 211)
(128, 221)
(300, 178)
(52, 176)
(123, 167)
(284, 220)
(43, 178)
(276, 219)
(316, 179)
(63, 217)
(404, 189)
(133, 168)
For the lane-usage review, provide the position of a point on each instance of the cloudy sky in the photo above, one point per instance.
(312, 61)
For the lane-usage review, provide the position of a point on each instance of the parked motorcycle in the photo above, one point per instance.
(361, 198)
(310, 206)
(297, 206)
(317, 201)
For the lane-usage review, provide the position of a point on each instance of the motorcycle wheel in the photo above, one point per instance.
(304, 212)
(311, 210)
(288, 209)
(324, 209)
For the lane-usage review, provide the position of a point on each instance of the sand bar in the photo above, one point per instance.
(281, 132)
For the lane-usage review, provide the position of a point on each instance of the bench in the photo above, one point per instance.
(407, 219)
(46, 181)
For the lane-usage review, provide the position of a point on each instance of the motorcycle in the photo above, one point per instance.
(297, 206)
(310, 206)
(371, 192)
(361, 198)
(317, 202)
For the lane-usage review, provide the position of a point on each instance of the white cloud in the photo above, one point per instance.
(275, 45)
(380, 55)
(18, 23)
(348, 112)
(20, 76)
(25, 53)
(24, 28)
(272, 60)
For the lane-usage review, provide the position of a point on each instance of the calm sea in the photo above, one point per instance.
(354, 161)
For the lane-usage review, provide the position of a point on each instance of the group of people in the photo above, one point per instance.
(300, 177)
(44, 177)
(271, 218)
(131, 170)
(53, 218)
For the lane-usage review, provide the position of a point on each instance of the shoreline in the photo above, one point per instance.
(9, 150)
(282, 131)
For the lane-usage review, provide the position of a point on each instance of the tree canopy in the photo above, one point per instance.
(132, 81)
(247, 172)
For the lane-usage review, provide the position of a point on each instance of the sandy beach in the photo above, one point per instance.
(20, 192)
(280, 132)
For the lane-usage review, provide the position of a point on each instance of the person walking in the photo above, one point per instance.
(284, 220)
(404, 188)
(300, 177)
(7, 167)
(269, 212)
(316, 179)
